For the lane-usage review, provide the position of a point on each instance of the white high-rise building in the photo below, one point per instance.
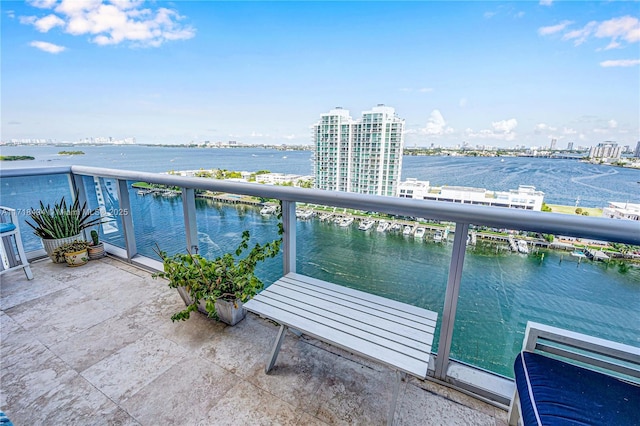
(605, 150)
(363, 156)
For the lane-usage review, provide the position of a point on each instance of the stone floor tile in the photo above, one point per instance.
(297, 374)
(130, 369)
(85, 348)
(245, 404)
(420, 407)
(182, 394)
(12, 290)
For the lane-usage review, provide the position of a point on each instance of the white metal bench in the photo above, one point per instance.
(393, 333)
(12, 255)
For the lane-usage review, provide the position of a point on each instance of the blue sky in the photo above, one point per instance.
(492, 73)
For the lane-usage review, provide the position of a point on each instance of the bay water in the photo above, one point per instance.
(500, 291)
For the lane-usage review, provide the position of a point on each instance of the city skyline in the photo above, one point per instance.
(485, 73)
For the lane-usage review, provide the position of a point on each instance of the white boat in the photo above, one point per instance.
(346, 222)
(383, 225)
(437, 237)
(325, 216)
(395, 227)
(267, 210)
(419, 232)
(408, 230)
(578, 253)
(365, 225)
(522, 247)
(304, 214)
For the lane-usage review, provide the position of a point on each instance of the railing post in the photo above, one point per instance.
(127, 218)
(289, 237)
(190, 224)
(451, 300)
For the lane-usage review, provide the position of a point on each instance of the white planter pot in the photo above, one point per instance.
(230, 312)
(51, 245)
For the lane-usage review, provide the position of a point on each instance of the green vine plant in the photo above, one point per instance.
(227, 277)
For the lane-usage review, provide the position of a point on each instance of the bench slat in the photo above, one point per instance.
(369, 333)
(367, 320)
(409, 320)
(394, 306)
(341, 339)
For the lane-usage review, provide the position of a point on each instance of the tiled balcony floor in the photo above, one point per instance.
(95, 345)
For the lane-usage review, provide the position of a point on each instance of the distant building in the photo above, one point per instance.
(525, 197)
(281, 178)
(626, 211)
(605, 150)
(637, 152)
(363, 156)
(553, 144)
(570, 146)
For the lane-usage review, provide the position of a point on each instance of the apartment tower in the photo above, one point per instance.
(363, 156)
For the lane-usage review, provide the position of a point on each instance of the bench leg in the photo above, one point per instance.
(276, 349)
(514, 409)
(392, 410)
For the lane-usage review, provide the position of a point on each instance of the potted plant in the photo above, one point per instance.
(220, 286)
(96, 249)
(74, 253)
(61, 223)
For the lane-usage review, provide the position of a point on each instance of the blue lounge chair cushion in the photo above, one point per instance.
(6, 227)
(553, 392)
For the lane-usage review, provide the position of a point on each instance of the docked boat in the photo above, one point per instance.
(383, 225)
(365, 225)
(408, 230)
(304, 214)
(346, 222)
(578, 253)
(419, 234)
(325, 216)
(437, 237)
(395, 227)
(267, 210)
(522, 247)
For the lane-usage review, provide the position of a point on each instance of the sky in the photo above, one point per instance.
(501, 74)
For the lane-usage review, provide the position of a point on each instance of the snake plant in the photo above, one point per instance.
(61, 220)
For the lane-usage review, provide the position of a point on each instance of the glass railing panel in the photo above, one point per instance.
(25, 194)
(102, 195)
(221, 220)
(381, 259)
(502, 289)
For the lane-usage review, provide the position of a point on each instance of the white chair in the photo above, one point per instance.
(11, 250)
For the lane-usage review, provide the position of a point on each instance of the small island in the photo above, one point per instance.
(16, 157)
(71, 153)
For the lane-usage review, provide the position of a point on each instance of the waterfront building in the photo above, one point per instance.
(525, 197)
(626, 211)
(605, 150)
(570, 146)
(363, 156)
(637, 152)
(282, 179)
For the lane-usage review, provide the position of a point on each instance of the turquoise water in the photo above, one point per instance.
(499, 292)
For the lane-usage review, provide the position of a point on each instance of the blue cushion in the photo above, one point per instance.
(6, 227)
(553, 392)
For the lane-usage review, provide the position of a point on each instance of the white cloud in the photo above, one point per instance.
(425, 90)
(546, 2)
(50, 21)
(462, 102)
(626, 27)
(505, 126)
(543, 128)
(42, 4)
(581, 35)
(552, 29)
(612, 124)
(489, 15)
(47, 47)
(620, 63)
(436, 125)
(519, 14)
(569, 131)
(122, 21)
